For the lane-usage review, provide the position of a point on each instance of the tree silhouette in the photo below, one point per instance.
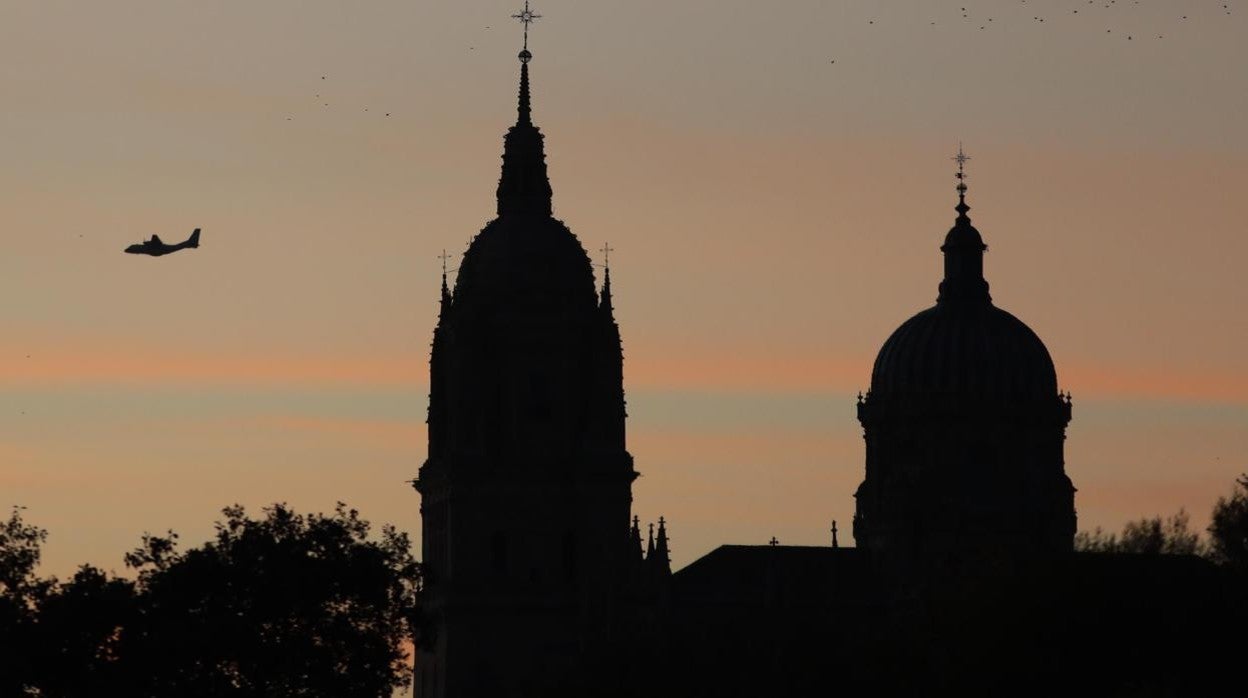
(1228, 529)
(1171, 536)
(82, 624)
(281, 605)
(20, 594)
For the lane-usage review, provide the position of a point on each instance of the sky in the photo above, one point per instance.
(774, 180)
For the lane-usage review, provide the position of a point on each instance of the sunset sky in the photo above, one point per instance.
(773, 177)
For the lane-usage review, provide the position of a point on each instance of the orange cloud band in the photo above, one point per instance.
(647, 368)
(1188, 384)
(175, 366)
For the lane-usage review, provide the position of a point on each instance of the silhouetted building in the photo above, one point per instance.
(964, 427)
(964, 580)
(527, 489)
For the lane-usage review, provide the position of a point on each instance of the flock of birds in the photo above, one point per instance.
(1050, 12)
(320, 99)
(324, 104)
(985, 22)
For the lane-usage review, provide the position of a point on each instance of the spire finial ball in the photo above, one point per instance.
(525, 56)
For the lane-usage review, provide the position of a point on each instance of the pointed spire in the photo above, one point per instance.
(606, 293)
(664, 563)
(650, 545)
(524, 110)
(606, 279)
(524, 187)
(446, 291)
(635, 536)
(964, 250)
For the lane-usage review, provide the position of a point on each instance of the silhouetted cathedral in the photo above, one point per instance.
(526, 493)
(964, 426)
(964, 579)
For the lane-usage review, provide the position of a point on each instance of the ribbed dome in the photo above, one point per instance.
(964, 345)
(972, 349)
(525, 256)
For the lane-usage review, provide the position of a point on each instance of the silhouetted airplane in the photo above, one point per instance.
(156, 248)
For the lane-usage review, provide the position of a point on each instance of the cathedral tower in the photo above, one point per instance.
(527, 489)
(964, 426)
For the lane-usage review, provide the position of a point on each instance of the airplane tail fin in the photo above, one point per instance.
(194, 241)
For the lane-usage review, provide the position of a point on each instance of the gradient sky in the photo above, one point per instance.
(775, 216)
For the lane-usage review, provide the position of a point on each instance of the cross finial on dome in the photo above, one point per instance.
(963, 248)
(961, 158)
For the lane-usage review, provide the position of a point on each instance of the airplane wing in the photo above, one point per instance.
(156, 240)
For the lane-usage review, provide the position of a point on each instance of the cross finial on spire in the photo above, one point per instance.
(606, 251)
(526, 17)
(444, 256)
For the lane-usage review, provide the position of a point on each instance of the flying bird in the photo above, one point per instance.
(156, 248)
